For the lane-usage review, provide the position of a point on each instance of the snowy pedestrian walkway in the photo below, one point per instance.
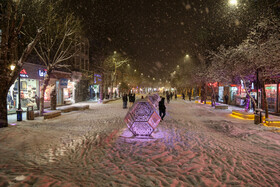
(195, 145)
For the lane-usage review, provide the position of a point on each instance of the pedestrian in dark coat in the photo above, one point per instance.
(183, 96)
(217, 98)
(37, 100)
(124, 98)
(162, 108)
(168, 97)
(226, 98)
(133, 98)
(175, 96)
(130, 98)
(190, 95)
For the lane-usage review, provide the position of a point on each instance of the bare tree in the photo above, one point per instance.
(11, 22)
(57, 45)
(111, 64)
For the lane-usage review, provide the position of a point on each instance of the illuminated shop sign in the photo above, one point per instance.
(42, 73)
(23, 73)
(63, 83)
(97, 78)
(97, 75)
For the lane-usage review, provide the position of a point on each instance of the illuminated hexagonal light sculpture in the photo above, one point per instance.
(142, 118)
(153, 99)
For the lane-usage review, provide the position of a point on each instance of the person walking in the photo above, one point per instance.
(226, 98)
(175, 96)
(183, 96)
(37, 100)
(130, 98)
(217, 98)
(124, 98)
(133, 98)
(168, 98)
(162, 108)
(190, 95)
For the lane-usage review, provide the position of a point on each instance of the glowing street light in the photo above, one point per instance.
(178, 66)
(135, 70)
(233, 2)
(12, 67)
(115, 52)
(128, 65)
(187, 56)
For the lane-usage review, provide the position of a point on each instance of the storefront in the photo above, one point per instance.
(271, 95)
(64, 87)
(221, 93)
(29, 87)
(69, 93)
(94, 89)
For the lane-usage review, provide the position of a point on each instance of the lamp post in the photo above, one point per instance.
(19, 110)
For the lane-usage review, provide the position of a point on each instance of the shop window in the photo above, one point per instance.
(23, 85)
(271, 95)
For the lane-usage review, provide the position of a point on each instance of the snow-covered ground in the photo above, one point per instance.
(195, 145)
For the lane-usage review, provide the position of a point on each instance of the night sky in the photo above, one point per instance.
(160, 33)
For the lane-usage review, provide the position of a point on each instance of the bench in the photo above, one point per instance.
(243, 114)
(84, 107)
(221, 107)
(272, 122)
(52, 114)
(68, 109)
(106, 101)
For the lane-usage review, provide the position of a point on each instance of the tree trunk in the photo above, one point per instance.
(42, 93)
(101, 88)
(213, 97)
(3, 108)
(112, 85)
(205, 93)
(265, 100)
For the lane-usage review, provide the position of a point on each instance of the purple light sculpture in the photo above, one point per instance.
(153, 99)
(142, 118)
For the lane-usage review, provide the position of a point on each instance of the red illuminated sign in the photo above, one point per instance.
(23, 73)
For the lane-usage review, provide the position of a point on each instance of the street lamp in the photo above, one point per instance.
(12, 67)
(19, 110)
(233, 2)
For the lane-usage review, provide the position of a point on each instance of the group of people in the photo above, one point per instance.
(130, 97)
(169, 96)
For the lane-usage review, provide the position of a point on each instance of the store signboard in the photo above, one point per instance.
(97, 79)
(63, 83)
(23, 73)
(42, 73)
